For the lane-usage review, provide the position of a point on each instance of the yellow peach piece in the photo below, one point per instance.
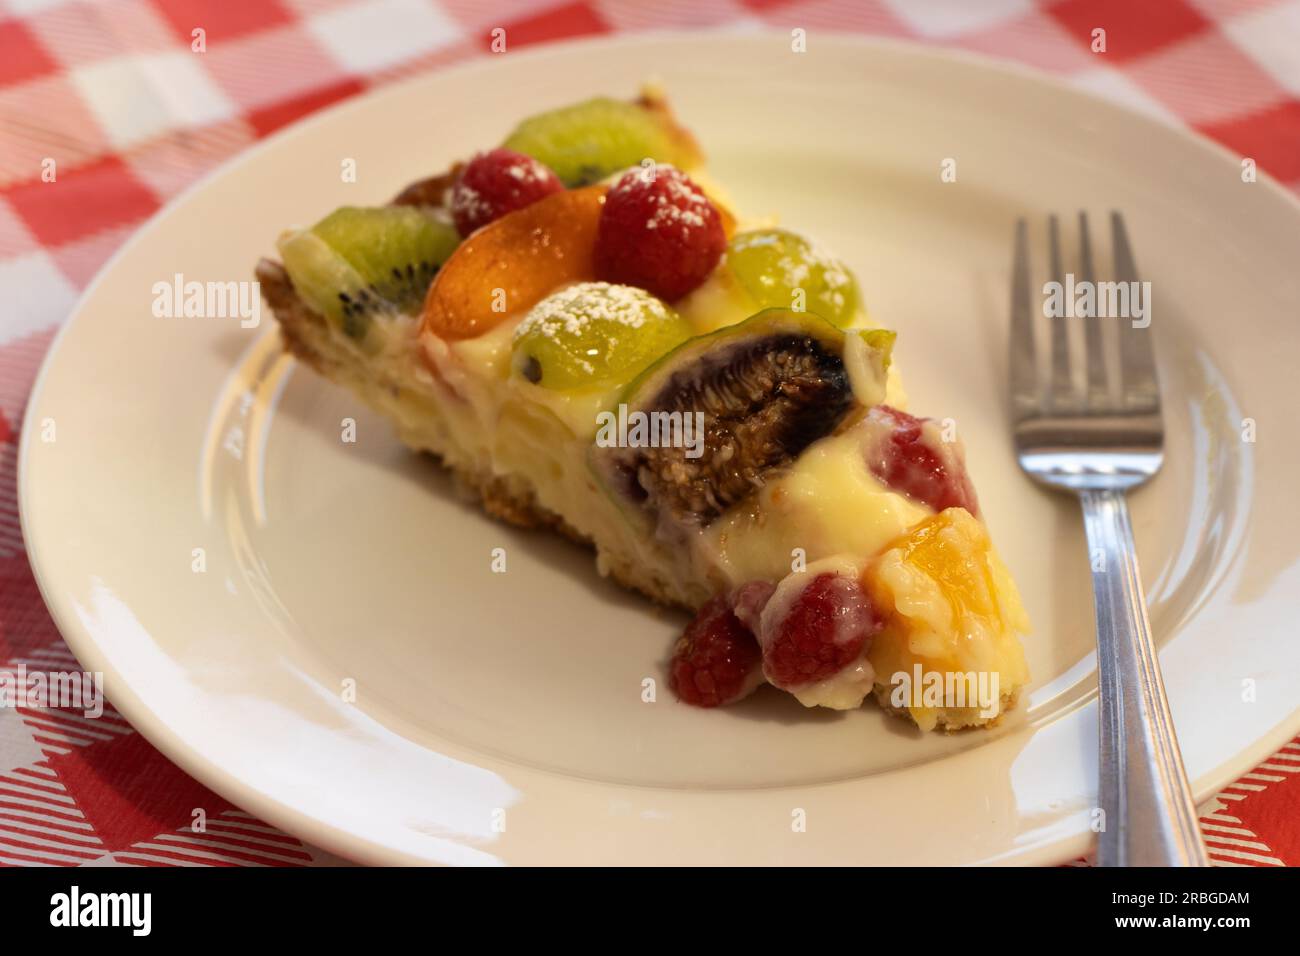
(953, 618)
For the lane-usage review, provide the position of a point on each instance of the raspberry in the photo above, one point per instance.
(748, 601)
(495, 183)
(825, 629)
(910, 462)
(659, 233)
(716, 658)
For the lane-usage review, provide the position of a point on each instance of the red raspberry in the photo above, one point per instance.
(716, 658)
(661, 234)
(912, 463)
(495, 183)
(748, 601)
(824, 630)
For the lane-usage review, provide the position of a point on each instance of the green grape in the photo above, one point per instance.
(594, 333)
(773, 264)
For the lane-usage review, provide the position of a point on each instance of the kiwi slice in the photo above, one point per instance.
(358, 264)
(588, 141)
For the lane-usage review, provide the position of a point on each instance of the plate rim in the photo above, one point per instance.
(336, 839)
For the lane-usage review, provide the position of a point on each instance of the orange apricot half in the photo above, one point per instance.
(509, 265)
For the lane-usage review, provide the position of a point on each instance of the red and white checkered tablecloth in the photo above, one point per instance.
(115, 94)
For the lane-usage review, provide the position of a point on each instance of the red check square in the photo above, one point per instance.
(271, 118)
(82, 201)
(1132, 28)
(570, 20)
(128, 805)
(1269, 137)
(221, 21)
(21, 55)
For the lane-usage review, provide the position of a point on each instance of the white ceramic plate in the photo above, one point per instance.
(478, 693)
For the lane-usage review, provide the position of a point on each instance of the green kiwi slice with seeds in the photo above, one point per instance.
(359, 264)
(588, 141)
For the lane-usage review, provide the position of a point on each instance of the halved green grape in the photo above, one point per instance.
(594, 333)
(588, 141)
(781, 269)
(358, 263)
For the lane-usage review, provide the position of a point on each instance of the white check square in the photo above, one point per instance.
(139, 97)
(1271, 37)
(949, 18)
(373, 36)
(38, 295)
(1113, 85)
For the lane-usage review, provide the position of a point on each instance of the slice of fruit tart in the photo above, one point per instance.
(579, 327)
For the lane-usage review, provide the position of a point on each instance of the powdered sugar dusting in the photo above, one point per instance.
(495, 183)
(526, 169)
(468, 204)
(681, 204)
(572, 312)
(801, 265)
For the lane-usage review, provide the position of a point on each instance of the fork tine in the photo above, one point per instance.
(1060, 377)
(1140, 390)
(1024, 372)
(1096, 357)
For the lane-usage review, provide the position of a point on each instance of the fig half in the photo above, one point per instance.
(708, 424)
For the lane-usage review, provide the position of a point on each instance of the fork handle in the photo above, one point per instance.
(1149, 815)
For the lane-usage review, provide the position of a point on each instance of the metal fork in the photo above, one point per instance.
(1098, 442)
